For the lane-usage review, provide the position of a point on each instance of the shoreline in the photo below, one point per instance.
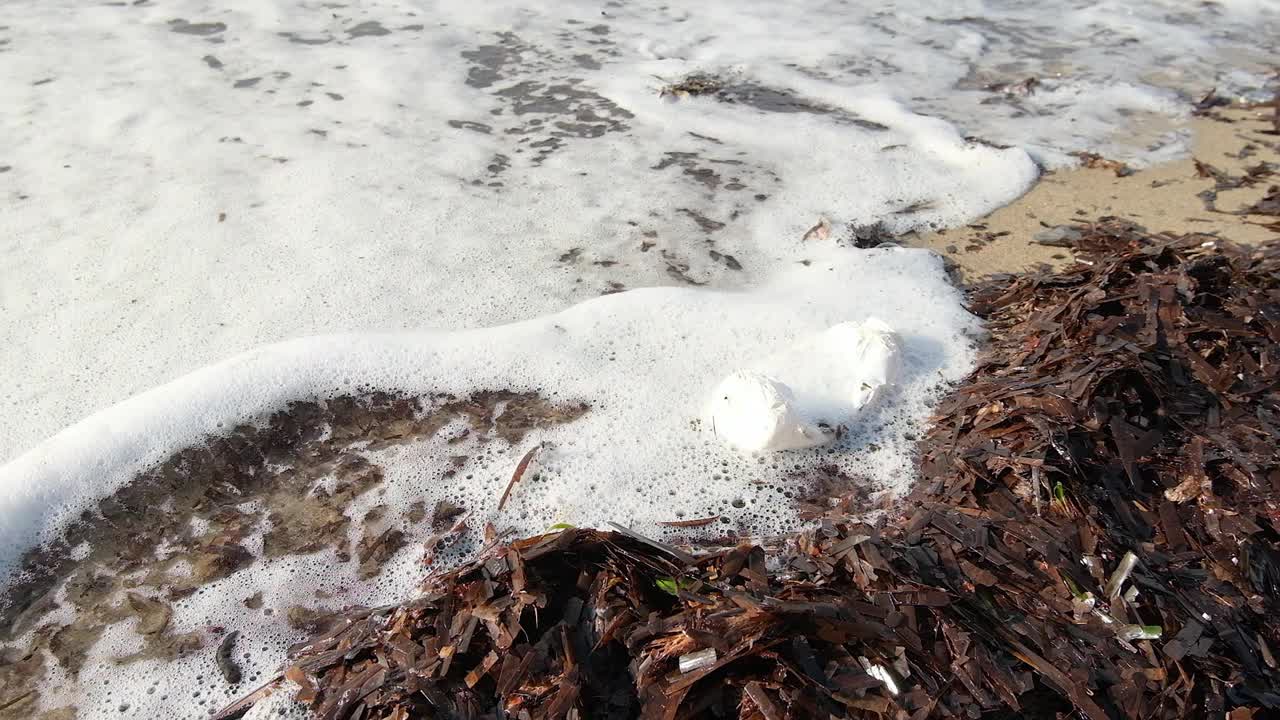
(1162, 198)
(1090, 538)
(1167, 197)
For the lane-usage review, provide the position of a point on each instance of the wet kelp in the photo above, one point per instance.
(1127, 406)
(1095, 536)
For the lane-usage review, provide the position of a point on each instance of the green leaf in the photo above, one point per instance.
(672, 586)
(1140, 632)
(1075, 589)
(1059, 492)
(561, 526)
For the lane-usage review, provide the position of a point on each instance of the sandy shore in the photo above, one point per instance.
(1162, 198)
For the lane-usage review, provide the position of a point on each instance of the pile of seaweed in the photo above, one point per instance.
(1097, 534)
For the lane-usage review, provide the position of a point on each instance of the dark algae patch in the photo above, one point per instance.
(1263, 172)
(1096, 535)
(371, 28)
(226, 659)
(188, 522)
(198, 28)
(472, 126)
(736, 91)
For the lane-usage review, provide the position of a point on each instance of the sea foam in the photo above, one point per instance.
(644, 362)
(185, 181)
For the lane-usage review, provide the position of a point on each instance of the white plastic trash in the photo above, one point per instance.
(755, 413)
(835, 374)
(873, 352)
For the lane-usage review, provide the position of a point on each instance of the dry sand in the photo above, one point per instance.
(1161, 198)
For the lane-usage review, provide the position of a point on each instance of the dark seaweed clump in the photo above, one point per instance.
(1096, 536)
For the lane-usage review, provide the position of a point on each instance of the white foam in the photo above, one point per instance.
(644, 360)
(125, 141)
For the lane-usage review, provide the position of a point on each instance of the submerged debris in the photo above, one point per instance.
(735, 89)
(226, 660)
(1268, 205)
(693, 86)
(1096, 535)
(820, 231)
(1064, 236)
(1094, 161)
(1024, 87)
(1211, 100)
(519, 473)
(868, 236)
(1222, 180)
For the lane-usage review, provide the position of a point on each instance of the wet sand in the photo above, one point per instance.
(1161, 198)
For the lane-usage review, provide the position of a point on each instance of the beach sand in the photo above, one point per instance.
(1161, 198)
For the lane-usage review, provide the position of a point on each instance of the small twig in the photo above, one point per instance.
(690, 523)
(673, 551)
(1036, 482)
(238, 708)
(519, 473)
(17, 699)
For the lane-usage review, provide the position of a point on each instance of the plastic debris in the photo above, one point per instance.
(697, 660)
(755, 413)
(842, 371)
(1121, 574)
(881, 673)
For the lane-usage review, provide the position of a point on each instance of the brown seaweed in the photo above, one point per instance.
(515, 476)
(226, 661)
(1096, 535)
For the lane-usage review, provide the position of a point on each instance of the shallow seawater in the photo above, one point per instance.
(214, 176)
(509, 231)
